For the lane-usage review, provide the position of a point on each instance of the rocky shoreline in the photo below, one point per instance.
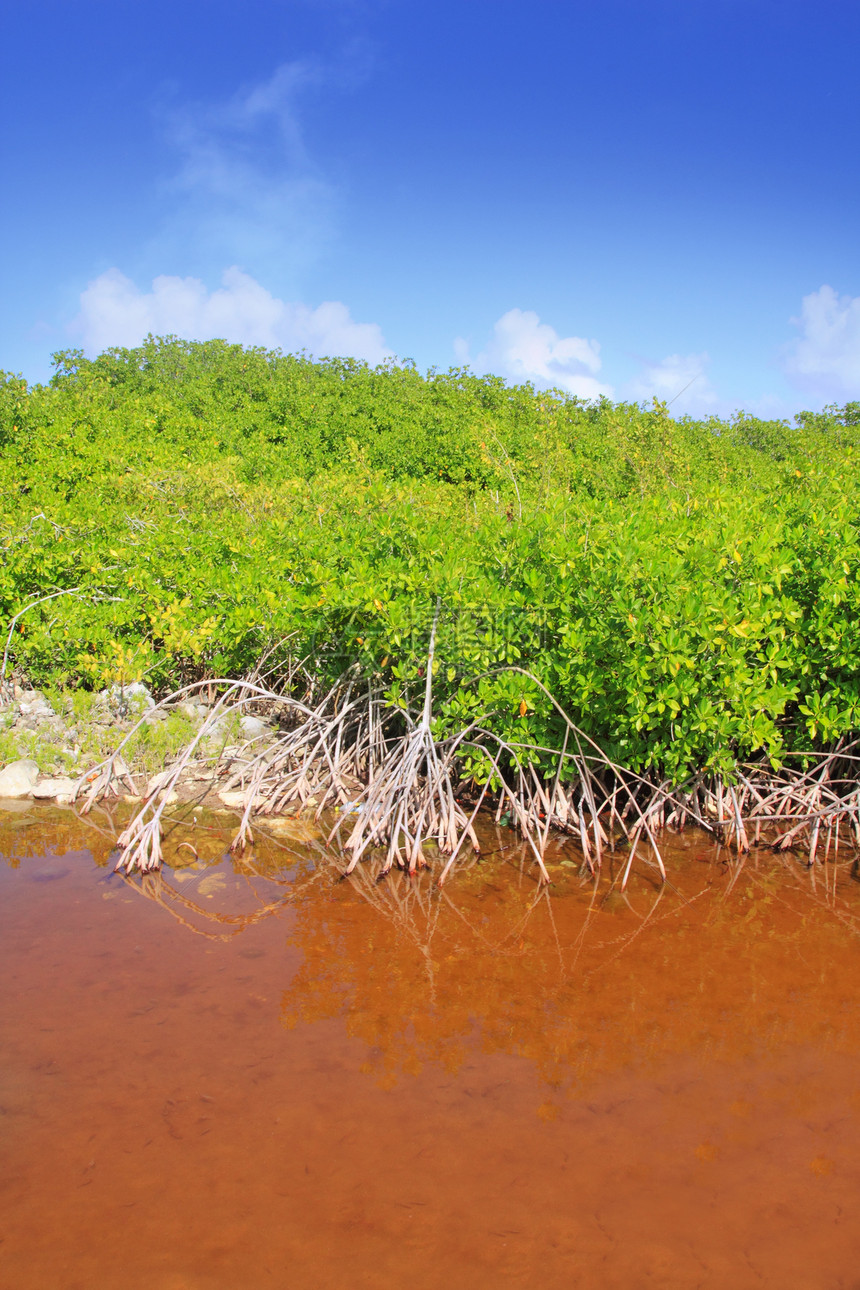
(50, 747)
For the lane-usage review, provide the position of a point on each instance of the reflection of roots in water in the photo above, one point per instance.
(577, 979)
(157, 887)
(819, 884)
(414, 905)
(553, 978)
(154, 886)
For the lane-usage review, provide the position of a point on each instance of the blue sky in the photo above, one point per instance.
(616, 196)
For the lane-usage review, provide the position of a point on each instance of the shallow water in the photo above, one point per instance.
(242, 1074)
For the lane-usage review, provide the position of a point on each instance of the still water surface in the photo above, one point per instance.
(243, 1074)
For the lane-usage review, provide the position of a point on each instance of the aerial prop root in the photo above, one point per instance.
(410, 796)
(398, 787)
(140, 843)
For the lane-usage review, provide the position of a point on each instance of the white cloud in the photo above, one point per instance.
(115, 312)
(679, 380)
(522, 348)
(825, 358)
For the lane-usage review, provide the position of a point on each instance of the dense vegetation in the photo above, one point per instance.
(687, 590)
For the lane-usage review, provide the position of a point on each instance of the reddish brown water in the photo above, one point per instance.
(247, 1076)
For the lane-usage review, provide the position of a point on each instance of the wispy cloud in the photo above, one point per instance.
(825, 358)
(245, 189)
(522, 348)
(115, 312)
(679, 380)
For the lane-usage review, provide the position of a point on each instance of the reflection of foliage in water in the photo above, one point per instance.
(582, 982)
(28, 830)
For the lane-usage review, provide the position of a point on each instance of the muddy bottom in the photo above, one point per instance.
(243, 1074)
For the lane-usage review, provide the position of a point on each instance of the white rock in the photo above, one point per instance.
(215, 739)
(18, 778)
(60, 788)
(33, 703)
(295, 830)
(133, 696)
(195, 711)
(235, 798)
(253, 727)
(157, 791)
(157, 782)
